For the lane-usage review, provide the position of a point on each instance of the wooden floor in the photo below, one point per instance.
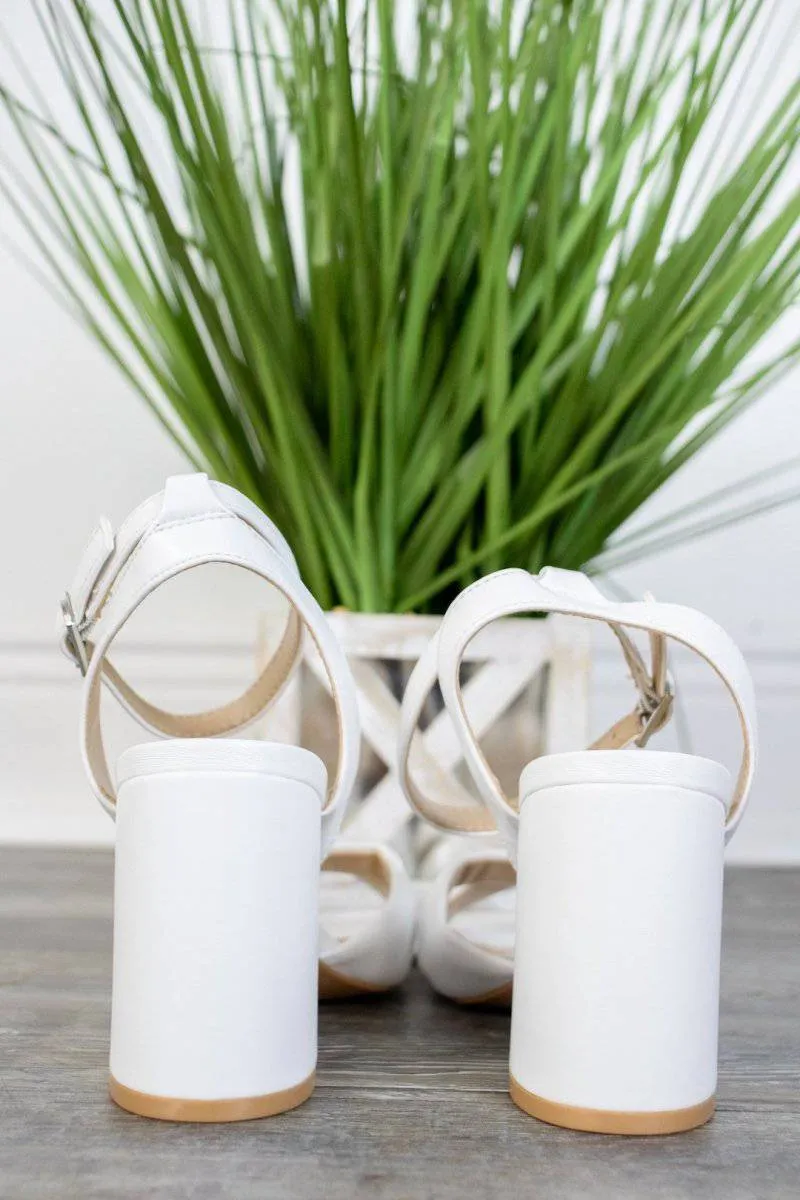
(411, 1101)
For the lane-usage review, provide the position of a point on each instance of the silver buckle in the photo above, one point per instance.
(655, 717)
(74, 636)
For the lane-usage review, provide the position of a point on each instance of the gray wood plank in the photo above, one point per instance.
(411, 1099)
(390, 1144)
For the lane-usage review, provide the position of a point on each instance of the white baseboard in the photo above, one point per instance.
(44, 797)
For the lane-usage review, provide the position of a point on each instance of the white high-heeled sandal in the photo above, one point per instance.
(219, 842)
(619, 862)
(465, 925)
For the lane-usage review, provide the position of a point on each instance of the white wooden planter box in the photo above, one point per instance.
(508, 658)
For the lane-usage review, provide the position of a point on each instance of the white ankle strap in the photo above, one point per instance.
(511, 592)
(191, 523)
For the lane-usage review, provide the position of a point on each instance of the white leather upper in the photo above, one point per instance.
(514, 591)
(373, 945)
(191, 523)
(453, 957)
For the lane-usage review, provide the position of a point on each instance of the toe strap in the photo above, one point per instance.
(373, 954)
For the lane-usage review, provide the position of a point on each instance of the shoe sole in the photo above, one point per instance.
(597, 1120)
(247, 1108)
(333, 985)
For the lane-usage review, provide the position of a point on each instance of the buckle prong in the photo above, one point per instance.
(655, 717)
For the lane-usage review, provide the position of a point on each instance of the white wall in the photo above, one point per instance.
(76, 443)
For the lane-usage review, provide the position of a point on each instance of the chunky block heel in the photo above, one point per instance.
(619, 907)
(214, 1003)
(619, 857)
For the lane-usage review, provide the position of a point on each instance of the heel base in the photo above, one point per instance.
(598, 1120)
(248, 1108)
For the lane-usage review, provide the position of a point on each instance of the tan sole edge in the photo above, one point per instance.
(168, 1108)
(333, 985)
(500, 996)
(598, 1120)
